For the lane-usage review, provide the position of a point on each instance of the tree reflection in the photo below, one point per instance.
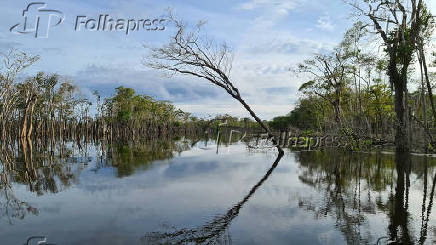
(213, 232)
(127, 158)
(398, 228)
(426, 208)
(354, 187)
(40, 173)
(44, 173)
(52, 170)
(10, 206)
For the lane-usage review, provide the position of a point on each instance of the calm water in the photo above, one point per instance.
(186, 192)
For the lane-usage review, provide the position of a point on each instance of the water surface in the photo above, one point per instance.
(185, 192)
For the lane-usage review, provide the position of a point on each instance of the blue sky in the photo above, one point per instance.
(267, 36)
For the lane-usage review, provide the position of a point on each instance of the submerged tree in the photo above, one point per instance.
(14, 62)
(399, 23)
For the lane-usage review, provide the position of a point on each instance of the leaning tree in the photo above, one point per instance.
(189, 52)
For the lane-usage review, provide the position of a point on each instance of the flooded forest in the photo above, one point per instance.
(353, 162)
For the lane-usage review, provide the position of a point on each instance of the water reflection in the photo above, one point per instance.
(117, 192)
(213, 232)
(10, 206)
(399, 216)
(426, 204)
(56, 170)
(127, 158)
(357, 186)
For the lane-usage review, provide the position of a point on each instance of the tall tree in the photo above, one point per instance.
(328, 78)
(14, 62)
(399, 25)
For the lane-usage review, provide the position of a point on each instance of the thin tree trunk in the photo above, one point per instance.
(427, 80)
(258, 120)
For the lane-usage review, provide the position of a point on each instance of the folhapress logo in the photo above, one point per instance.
(42, 240)
(38, 20)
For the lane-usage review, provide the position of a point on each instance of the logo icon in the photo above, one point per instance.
(38, 20)
(42, 240)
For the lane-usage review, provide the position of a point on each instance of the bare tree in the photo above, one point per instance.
(13, 63)
(189, 52)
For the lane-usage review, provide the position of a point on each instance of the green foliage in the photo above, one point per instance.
(380, 102)
(125, 101)
(127, 107)
(48, 96)
(280, 123)
(352, 141)
(307, 114)
(235, 122)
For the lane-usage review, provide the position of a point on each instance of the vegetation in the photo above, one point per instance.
(371, 94)
(353, 187)
(191, 53)
(354, 88)
(130, 115)
(47, 107)
(363, 95)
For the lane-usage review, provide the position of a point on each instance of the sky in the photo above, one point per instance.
(268, 38)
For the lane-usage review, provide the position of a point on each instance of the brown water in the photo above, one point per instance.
(183, 192)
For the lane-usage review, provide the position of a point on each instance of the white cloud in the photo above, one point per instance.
(325, 23)
(177, 89)
(279, 7)
(267, 38)
(290, 46)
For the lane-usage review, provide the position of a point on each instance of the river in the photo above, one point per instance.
(193, 192)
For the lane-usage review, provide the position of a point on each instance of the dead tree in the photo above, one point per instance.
(190, 53)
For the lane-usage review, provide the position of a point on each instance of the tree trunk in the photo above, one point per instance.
(258, 120)
(401, 136)
(29, 132)
(427, 80)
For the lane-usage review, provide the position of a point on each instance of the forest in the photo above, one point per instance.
(376, 85)
(380, 90)
(351, 159)
(48, 107)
